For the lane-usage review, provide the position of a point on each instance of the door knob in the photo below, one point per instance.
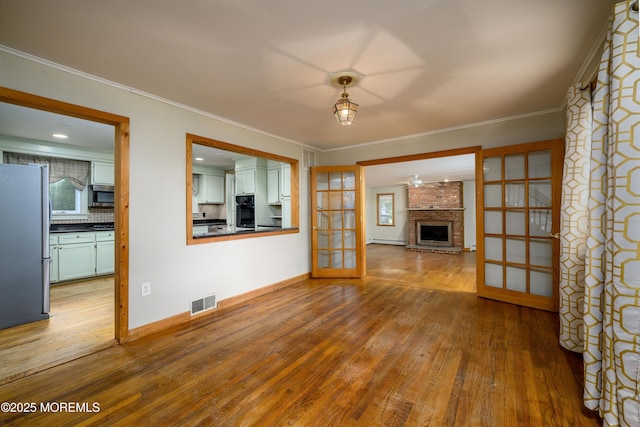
(555, 235)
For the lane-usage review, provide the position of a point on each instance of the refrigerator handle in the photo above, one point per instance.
(46, 225)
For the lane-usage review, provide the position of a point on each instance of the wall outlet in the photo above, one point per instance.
(145, 289)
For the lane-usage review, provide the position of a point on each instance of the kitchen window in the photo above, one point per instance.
(67, 183)
(65, 198)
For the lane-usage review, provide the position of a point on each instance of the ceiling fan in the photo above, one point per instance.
(416, 182)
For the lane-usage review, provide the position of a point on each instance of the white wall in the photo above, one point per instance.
(392, 235)
(158, 250)
(469, 203)
(519, 130)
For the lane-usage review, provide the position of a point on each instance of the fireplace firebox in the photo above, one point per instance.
(434, 233)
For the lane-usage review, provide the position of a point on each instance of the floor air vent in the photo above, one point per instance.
(203, 304)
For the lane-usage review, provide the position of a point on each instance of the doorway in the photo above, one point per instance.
(426, 171)
(121, 176)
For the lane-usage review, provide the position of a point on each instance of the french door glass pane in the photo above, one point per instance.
(349, 199)
(322, 181)
(540, 252)
(335, 181)
(336, 199)
(349, 219)
(541, 283)
(540, 222)
(514, 167)
(514, 195)
(323, 221)
(492, 168)
(323, 239)
(349, 239)
(493, 275)
(322, 200)
(540, 164)
(493, 248)
(336, 239)
(336, 220)
(516, 223)
(349, 181)
(350, 259)
(493, 195)
(493, 222)
(517, 251)
(516, 279)
(323, 259)
(540, 194)
(336, 259)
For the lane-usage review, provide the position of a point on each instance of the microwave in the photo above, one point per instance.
(101, 196)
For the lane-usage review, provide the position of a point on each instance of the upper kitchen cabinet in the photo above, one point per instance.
(273, 186)
(208, 185)
(211, 190)
(102, 173)
(245, 181)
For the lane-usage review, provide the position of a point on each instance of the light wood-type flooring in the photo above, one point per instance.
(81, 322)
(397, 348)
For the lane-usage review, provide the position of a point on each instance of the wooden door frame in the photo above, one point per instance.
(426, 156)
(121, 176)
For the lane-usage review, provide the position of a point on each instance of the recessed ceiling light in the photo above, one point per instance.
(199, 159)
(60, 136)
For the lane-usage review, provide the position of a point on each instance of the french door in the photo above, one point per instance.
(518, 205)
(337, 218)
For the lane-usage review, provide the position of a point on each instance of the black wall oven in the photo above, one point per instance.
(245, 212)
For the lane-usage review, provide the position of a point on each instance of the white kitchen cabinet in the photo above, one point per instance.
(211, 189)
(53, 258)
(286, 212)
(102, 173)
(105, 251)
(76, 256)
(273, 186)
(246, 181)
(285, 180)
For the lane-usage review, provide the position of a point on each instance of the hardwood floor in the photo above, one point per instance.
(391, 349)
(81, 323)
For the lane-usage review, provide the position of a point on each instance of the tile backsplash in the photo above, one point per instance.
(95, 215)
(211, 212)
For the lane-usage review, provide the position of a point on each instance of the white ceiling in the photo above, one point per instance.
(424, 65)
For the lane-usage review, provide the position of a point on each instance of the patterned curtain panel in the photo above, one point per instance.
(574, 217)
(611, 313)
(76, 171)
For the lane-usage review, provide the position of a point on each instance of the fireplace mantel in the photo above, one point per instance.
(435, 209)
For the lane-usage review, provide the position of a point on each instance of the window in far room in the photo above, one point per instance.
(385, 209)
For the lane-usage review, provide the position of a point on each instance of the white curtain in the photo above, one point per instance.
(600, 228)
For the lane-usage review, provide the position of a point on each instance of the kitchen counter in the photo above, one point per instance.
(229, 231)
(81, 227)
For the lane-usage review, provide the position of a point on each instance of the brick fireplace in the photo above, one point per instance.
(436, 218)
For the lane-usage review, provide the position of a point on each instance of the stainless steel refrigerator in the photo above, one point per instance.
(24, 244)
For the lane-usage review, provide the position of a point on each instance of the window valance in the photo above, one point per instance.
(76, 171)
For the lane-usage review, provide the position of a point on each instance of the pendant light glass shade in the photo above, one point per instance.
(345, 110)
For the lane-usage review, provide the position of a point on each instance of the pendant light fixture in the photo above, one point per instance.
(344, 109)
